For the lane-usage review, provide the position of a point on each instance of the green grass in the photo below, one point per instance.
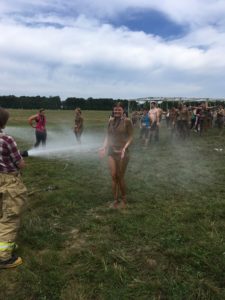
(168, 243)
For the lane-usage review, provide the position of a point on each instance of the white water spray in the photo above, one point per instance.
(60, 143)
(52, 152)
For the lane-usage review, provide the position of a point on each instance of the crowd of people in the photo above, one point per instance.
(119, 137)
(180, 120)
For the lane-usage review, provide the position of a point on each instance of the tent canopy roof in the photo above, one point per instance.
(174, 99)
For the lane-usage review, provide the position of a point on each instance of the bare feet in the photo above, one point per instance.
(124, 202)
(115, 204)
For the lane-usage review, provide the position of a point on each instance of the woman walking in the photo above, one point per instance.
(116, 144)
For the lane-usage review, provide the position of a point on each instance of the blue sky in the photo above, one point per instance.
(119, 48)
(150, 21)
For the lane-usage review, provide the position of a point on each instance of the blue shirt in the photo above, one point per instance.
(145, 121)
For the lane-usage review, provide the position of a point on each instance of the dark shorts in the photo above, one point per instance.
(153, 126)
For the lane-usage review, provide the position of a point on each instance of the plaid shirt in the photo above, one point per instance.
(9, 154)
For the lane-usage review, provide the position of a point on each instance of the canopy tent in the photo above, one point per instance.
(174, 99)
(177, 99)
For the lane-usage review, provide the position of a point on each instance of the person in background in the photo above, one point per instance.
(182, 121)
(168, 118)
(204, 117)
(154, 122)
(145, 127)
(193, 117)
(13, 195)
(197, 120)
(78, 124)
(220, 118)
(173, 122)
(116, 144)
(38, 122)
(135, 118)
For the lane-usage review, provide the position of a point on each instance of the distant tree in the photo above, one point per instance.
(26, 102)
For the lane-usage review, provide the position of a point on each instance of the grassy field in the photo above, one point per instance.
(167, 244)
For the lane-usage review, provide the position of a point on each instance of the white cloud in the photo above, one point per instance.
(86, 57)
(186, 11)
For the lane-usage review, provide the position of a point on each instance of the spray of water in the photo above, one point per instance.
(60, 143)
(52, 152)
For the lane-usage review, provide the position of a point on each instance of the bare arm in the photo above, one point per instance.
(102, 150)
(105, 144)
(31, 120)
(130, 137)
(157, 117)
(129, 141)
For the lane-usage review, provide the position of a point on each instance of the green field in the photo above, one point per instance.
(167, 244)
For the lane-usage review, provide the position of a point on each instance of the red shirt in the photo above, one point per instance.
(9, 154)
(41, 122)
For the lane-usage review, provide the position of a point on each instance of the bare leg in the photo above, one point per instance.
(122, 169)
(115, 184)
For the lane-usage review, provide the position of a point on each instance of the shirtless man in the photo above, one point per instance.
(154, 117)
(182, 121)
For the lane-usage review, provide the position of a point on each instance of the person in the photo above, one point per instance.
(198, 118)
(13, 195)
(193, 117)
(154, 122)
(118, 139)
(173, 122)
(168, 119)
(78, 126)
(203, 114)
(38, 122)
(182, 121)
(145, 127)
(134, 118)
(220, 118)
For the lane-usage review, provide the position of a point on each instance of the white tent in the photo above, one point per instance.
(174, 99)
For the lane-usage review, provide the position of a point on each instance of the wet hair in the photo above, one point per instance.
(4, 116)
(119, 104)
(78, 110)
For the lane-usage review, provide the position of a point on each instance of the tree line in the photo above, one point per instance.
(37, 102)
(26, 102)
(54, 102)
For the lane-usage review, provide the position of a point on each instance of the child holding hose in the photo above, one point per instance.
(12, 195)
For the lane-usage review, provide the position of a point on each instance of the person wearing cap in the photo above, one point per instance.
(154, 122)
(13, 195)
(38, 122)
(78, 124)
